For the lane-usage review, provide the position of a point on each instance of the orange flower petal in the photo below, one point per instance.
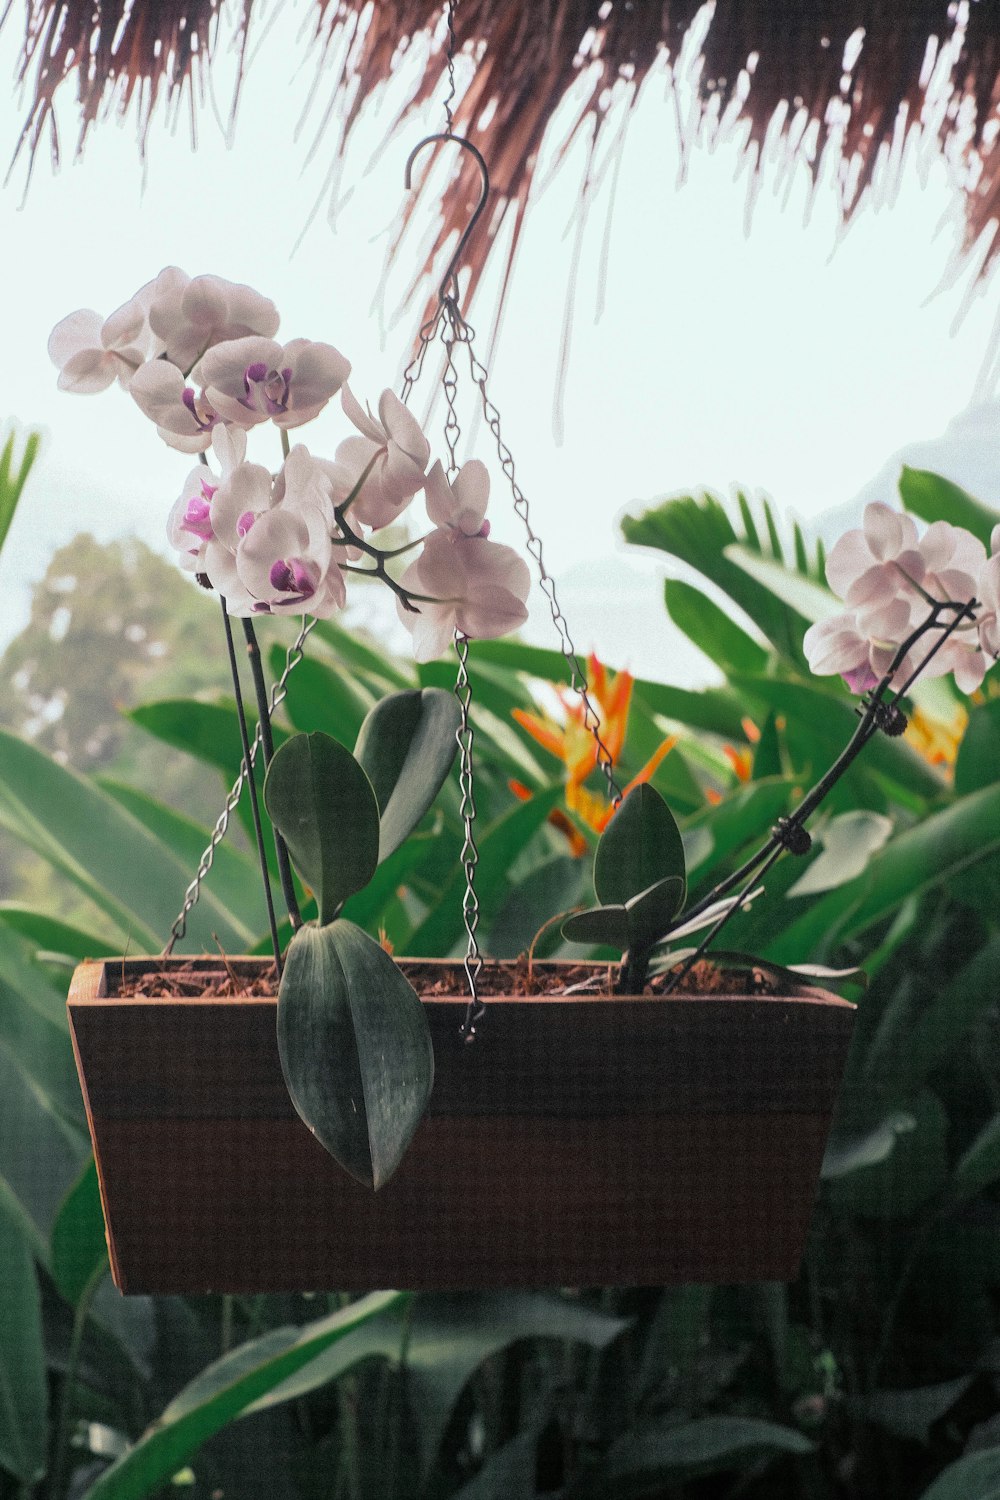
(548, 735)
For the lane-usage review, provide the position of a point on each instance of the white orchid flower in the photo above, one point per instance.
(184, 418)
(475, 585)
(401, 453)
(190, 315)
(459, 505)
(91, 354)
(253, 380)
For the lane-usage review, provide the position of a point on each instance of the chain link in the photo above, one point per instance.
(470, 853)
(293, 656)
(578, 680)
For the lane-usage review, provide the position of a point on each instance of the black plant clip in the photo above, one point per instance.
(790, 834)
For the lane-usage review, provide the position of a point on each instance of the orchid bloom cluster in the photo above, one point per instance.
(200, 358)
(900, 586)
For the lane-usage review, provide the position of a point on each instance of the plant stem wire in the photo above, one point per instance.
(267, 750)
(252, 784)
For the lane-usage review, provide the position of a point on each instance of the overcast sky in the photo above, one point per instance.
(790, 359)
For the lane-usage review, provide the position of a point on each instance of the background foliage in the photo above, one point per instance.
(874, 1375)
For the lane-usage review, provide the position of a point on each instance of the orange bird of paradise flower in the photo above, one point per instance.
(574, 744)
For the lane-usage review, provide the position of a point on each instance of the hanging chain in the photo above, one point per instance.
(578, 679)
(470, 853)
(293, 656)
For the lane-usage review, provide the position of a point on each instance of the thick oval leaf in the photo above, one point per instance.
(322, 803)
(600, 924)
(79, 1248)
(23, 1389)
(223, 1392)
(974, 1477)
(640, 846)
(649, 915)
(355, 1048)
(407, 747)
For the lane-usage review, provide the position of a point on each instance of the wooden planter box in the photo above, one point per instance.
(582, 1141)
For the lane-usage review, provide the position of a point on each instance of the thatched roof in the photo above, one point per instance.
(852, 77)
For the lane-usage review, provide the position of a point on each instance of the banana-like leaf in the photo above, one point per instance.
(23, 1389)
(712, 630)
(78, 1247)
(640, 846)
(322, 803)
(933, 498)
(407, 747)
(355, 1048)
(223, 1392)
(84, 833)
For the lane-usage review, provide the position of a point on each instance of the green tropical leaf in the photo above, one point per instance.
(448, 1338)
(23, 1387)
(78, 1246)
(500, 844)
(974, 1477)
(712, 630)
(407, 747)
(698, 531)
(934, 498)
(13, 480)
(911, 1414)
(664, 1448)
(355, 1048)
(351, 651)
(896, 1185)
(323, 805)
(927, 855)
(209, 731)
(978, 764)
(87, 836)
(52, 935)
(224, 1391)
(813, 601)
(235, 877)
(322, 697)
(641, 846)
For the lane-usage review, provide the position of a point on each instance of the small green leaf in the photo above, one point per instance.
(640, 846)
(13, 479)
(78, 1243)
(355, 1048)
(977, 764)
(323, 805)
(911, 1414)
(649, 915)
(407, 747)
(599, 924)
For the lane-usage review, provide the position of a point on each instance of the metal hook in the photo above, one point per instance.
(449, 279)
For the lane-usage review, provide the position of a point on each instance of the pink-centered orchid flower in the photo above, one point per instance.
(285, 563)
(190, 315)
(191, 523)
(476, 586)
(253, 380)
(401, 453)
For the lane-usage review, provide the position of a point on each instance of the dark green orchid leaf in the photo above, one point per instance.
(599, 924)
(323, 805)
(407, 747)
(640, 846)
(355, 1048)
(649, 915)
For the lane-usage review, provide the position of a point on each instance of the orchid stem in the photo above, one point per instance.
(251, 782)
(267, 750)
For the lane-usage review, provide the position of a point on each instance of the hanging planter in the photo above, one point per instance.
(588, 1139)
(342, 1132)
